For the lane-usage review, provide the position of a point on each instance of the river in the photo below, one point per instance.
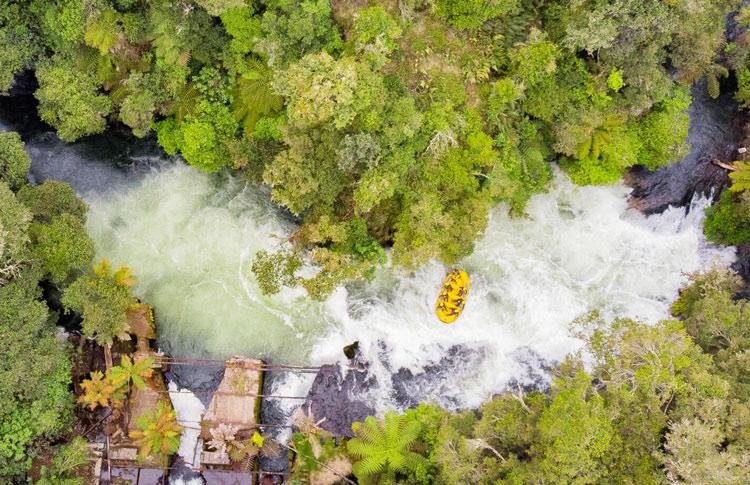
(190, 239)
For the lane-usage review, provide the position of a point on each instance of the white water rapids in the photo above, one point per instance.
(190, 239)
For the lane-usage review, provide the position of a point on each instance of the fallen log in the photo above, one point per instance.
(727, 166)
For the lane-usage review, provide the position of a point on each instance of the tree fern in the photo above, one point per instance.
(157, 432)
(591, 146)
(740, 178)
(129, 370)
(103, 31)
(717, 71)
(184, 103)
(254, 96)
(385, 447)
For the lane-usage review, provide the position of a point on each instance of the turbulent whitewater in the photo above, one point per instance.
(190, 239)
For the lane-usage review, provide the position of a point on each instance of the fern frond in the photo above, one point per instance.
(118, 92)
(359, 448)
(369, 466)
(254, 96)
(86, 59)
(103, 31)
(415, 460)
(712, 80)
(371, 432)
(408, 435)
(185, 102)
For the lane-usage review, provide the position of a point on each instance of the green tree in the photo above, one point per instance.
(69, 100)
(694, 454)
(52, 199)
(14, 162)
(63, 247)
(102, 299)
(728, 221)
(471, 14)
(218, 7)
(375, 35)
(293, 28)
(14, 223)
(19, 44)
(575, 431)
(320, 88)
(34, 376)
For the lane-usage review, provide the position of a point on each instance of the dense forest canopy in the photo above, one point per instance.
(381, 123)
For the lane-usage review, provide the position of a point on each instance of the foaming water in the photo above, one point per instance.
(190, 239)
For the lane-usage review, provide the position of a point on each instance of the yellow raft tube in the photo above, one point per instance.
(450, 303)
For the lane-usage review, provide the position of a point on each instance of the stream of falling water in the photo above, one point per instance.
(190, 239)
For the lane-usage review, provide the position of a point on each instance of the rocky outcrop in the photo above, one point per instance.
(334, 395)
(742, 264)
(716, 130)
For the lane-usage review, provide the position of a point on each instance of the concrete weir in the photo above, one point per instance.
(231, 419)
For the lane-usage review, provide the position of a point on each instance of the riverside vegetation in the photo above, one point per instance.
(391, 124)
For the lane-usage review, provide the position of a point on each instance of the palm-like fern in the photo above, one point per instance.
(740, 178)
(591, 146)
(103, 31)
(712, 77)
(128, 370)
(158, 432)
(254, 96)
(99, 391)
(184, 103)
(385, 447)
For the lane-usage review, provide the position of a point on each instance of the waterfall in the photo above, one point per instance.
(190, 239)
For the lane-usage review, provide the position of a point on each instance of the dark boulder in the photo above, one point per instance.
(334, 394)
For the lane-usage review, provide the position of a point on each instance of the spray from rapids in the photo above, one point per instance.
(190, 239)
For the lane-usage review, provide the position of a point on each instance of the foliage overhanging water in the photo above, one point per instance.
(190, 238)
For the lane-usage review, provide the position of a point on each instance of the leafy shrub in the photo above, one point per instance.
(70, 101)
(471, 14)
(14, 162)
(63, 247)
(728, 221)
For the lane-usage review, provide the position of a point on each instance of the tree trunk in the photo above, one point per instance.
(108, 355)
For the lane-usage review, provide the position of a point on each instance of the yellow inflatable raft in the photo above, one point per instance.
(450, 303)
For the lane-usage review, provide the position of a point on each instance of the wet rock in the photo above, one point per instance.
(742, 264)
(537, 372)
(333, 396)
(436, 380)
(716, 128)
(271, 412)
(200, 379)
